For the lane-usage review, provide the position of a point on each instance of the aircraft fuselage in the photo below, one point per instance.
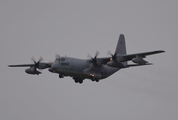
(80, 68)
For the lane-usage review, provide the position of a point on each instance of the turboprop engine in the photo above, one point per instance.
(139, 60)
(37, 65)
(115, 64)
(117, 61)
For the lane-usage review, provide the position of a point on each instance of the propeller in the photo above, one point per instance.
(94, 60)
(40, 65)
(113, 56)
(57, 56)
(36, 64)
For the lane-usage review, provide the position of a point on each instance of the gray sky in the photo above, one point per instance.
(76, 28)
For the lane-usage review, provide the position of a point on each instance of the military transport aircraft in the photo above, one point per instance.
(93, 68)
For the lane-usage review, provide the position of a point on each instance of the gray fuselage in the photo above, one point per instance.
(81, 68)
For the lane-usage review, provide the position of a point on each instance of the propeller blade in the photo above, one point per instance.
(57, 56)
(89, 56)
(112, 55)
(109, 53)
(93, 60)
(33, 59)
(96, 54)
(40, 59)
(36, 64)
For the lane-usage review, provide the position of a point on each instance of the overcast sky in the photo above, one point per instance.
(76, 28)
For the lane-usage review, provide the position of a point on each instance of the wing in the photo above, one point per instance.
(129, 56)
(39, 65)
(143, 55)
(23, 65)
(103, 60)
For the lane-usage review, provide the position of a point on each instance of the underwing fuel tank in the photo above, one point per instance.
(139, 60)
(32, 71)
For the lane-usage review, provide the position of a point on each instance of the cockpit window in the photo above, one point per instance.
(62, 59)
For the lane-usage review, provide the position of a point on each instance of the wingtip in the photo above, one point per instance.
(161, 51)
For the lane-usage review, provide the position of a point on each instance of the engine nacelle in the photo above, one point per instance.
(139, 60)
(43, 65)
(31, 71)
(120, 58)
(115, 64)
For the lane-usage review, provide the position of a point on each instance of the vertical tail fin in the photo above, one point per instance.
(121, 47)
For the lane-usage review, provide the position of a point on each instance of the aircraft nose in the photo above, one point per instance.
(53, 66)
